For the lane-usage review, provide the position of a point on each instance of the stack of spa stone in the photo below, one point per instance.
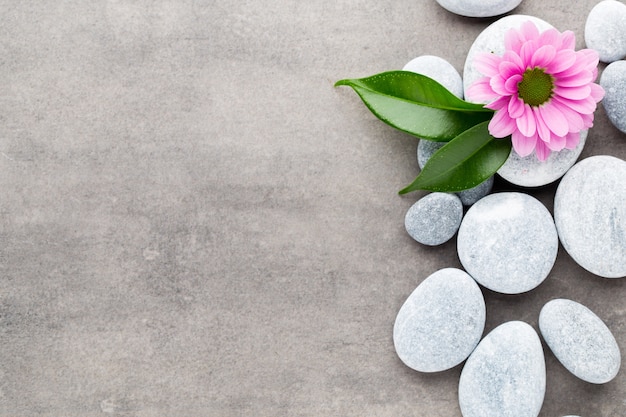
(508, 243)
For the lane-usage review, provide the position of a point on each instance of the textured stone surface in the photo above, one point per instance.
(605, 30)
(580, 340)
(507, 242)
(426, 148)
(439, 70)
(479, 8)
(531, 172)
(505, 376)
(491, 40)
(613, 80)
(434, 218)
(441, 322)
(590, 215)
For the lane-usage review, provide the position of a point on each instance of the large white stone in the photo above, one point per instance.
(605, 30)
(439, 70)
(441, 322)
(505, 376)
(434, 219)
(491, 40)
(531, 172)
(508, 242)
(590, 215)
(479, 8)
(613, 80)
(580, 341)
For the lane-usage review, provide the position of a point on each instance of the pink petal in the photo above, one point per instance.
(528, 49)
(542, 128)
(542, 151)
(511, 84)
(480, 91)
(597, 92)
(551, 37)
(576, 80)
(513, 40)
(571, 140)
(557, 143)
(523, 145)
(543, 56)
(585, 106)
(526, 123)
(497, 85)
(487, 64)
(554, 119)
(501, 125)
(574, 119)
(568, 40)
(516, 107)
(529, 31)
(500, 103)
(563, 60)
(573, 93)
(507, 69)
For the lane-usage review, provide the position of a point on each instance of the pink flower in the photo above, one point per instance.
(541, 89)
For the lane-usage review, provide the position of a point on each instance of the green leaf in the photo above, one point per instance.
(464, 162)
(418, 105)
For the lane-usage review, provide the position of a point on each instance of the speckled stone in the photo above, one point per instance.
(613, 80)
(426, 148)
(491, 40)
(590, 215)
(508, 242)
(479, 8)
(439, 70)
(441, 322)
(580, 341)
(434, 219)
(505, 376)
(531, 172)
(605, 30)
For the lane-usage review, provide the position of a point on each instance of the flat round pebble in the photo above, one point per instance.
(590, 215)
(613, 80)
(531, 172)
(441, 322)
(605, 30)
(426, 148)
(508, 242)
(505, 375)
(491, 40)
(434, 219)
(479, 8)
(580, 341)
(439, 70)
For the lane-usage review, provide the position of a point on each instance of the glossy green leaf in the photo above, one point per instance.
(417, 105)
(464, 162)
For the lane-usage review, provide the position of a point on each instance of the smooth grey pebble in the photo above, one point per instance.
(613, 80)
(479, 8)
(605, 30)
(439, 70)
(434, 219)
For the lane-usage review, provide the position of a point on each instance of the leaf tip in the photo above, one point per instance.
(342, 82)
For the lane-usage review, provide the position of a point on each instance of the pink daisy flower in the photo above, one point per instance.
(541, 89)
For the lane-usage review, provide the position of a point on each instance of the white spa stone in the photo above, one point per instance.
(439, 70)
(531, 172)
(491, 40)
(479, 8)
(605, 30)
(426, 148)
(613, 80)
(505, 376)
(580, 341)
(508, 242)
(434, 218)
(441, 322)
(590, 215)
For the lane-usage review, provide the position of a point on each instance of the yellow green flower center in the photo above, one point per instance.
(536, 87)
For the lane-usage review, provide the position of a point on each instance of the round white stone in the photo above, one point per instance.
(508, 242)
(613, 80)
(441, 322)
(590, 215)
(605, 30)
(479, 8)
(505, 375)
(439, 70)
(531, 172)
(491, 40)
(434, 219)
(580, 341)
(426, 148)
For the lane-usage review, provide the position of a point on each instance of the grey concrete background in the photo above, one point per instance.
(194, 222)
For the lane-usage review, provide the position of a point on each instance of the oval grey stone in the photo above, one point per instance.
(508, 242)
(613, 80)
(580, 340)
(605, 30)
(505, 376)
(439, 70)
(479, 8)
(590, 215)
(426, 149)
(441, 322)
(434, 219)
(491, 40)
